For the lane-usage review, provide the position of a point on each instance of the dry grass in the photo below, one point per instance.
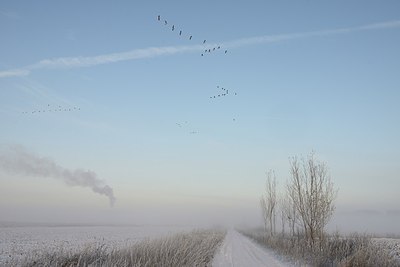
(196, 248)
(353, 250)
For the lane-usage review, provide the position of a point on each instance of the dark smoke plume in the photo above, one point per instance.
(17, 160)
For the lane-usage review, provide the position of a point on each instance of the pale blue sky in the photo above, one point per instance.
(319, 75)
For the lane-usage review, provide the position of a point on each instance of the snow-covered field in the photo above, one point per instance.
(392, 245)
(18, 242)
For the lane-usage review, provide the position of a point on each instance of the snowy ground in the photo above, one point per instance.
(18, 242)
(238, 250)
(392, 245)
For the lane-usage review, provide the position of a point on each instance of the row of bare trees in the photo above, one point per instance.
(307, 203)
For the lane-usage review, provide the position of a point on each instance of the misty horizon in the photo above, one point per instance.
(172, 114)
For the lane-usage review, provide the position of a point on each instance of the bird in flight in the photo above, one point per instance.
(158, 17)
(165, 22)
(190, 38)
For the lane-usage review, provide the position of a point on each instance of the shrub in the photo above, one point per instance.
(334, 250)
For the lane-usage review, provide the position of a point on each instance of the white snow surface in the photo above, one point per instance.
(392, 245)
(238, 250)
(18, 242)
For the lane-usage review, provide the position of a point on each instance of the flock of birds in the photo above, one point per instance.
(207, 49)
(51, 109)
(185, 125)
(190, 37)
(224, 92)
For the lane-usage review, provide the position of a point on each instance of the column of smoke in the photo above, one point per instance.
(17, 160)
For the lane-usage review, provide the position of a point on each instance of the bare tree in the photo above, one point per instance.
(282, 214)
(269, 203)
(312, 193)
(289, 212)
(264, 212)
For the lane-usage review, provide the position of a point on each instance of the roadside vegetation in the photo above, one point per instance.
(335, 250)
(303, 210)
(196, 248)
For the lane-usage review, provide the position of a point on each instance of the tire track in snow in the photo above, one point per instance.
(238, 250)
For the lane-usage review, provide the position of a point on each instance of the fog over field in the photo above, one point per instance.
(174, 113)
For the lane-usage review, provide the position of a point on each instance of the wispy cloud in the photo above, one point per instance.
(15, 72)
(291, 36)
(80, 62)
(40, 94)
(10, 14)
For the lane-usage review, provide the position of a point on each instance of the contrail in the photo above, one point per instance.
(17, 160)
(80, 62)
(15, 72)
(291, 36)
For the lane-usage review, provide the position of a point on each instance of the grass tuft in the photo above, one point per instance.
(334, 250)
(196, 248)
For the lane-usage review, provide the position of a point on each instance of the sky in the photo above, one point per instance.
(129, 114)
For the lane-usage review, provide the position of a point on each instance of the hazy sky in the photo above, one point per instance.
(309, 75)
